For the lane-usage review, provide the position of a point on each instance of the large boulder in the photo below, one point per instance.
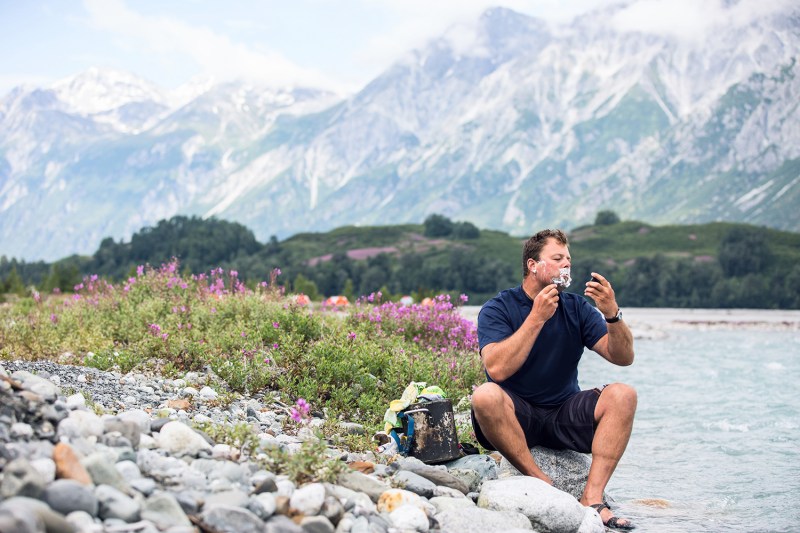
(568, 469)
(548, 509)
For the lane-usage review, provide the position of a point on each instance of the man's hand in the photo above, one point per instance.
(545, 304)
(601, 291)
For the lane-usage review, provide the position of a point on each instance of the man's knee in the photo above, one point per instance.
(620, 397)
(490, 397)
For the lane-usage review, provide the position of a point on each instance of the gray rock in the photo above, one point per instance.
(437, 474)
(103, 472)
(231, 519)
(115, 504)
(137, 416)
(262, 505)
(80, 424)
(282, 524)
(548, 509)
(83, 522)
(128, 470)
(39, 513)
(332, 509)
(351, 498)
(441, 490)
(129, 429)
(38, 385)
(18, 520)
(446, 504)
(20, 478)
(266, 484)
(362, 483)
(67, 495)
(476, 520)
(308, 500)
(164, 511)
(228, 498)
(414, 483)
(351, 428)
(316, 524)
(144, 485)
(21, 431)
(179, 439)
(568, 469)
(473, 470)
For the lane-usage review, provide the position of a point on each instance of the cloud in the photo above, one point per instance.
(692, 19)
(214, 54)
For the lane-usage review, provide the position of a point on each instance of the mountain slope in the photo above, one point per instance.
(521, 126)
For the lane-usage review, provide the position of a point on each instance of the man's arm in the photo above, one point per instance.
(502, 359)
(617, 345)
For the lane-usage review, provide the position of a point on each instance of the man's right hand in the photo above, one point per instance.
(545, 304)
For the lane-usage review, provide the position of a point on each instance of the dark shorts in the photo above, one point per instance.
(568, 426)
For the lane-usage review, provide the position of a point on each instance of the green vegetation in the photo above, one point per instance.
(348, 364)
(702, 265)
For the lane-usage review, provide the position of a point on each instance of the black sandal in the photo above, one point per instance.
(613, 521)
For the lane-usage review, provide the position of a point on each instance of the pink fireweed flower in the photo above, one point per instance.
(53, 318)
(76, 297)
(140, 270)
(165, 336)
(244, 334)
(155, 329)
(276, 325)
(275, 346)
(351, 336)
(267, 360)
(464, 298)
(234, 273)
(57, 290)
(37, 297)
(213, 310)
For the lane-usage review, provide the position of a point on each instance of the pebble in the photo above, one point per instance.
(141, 467)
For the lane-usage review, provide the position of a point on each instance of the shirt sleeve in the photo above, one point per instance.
(494, 324)
(593, 325)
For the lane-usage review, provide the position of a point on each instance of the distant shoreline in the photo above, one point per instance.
(650, 322)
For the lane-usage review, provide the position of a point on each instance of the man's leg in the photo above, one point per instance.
(495, 414)
(614, 415)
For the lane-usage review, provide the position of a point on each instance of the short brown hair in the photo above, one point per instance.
(533, 246)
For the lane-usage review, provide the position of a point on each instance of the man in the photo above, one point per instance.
(531, 339)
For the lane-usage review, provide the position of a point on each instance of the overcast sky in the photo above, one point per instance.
(337, 44)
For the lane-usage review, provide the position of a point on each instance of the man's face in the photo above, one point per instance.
(553, 257)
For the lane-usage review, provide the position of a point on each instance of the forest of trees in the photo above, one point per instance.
(744, 272)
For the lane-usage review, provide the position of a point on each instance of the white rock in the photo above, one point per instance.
(190, 391)
(592, 523)
(81, 424)
(139, 417)
(46, 467)
(393, 499)
(76, 401)
(285, 487)
(308, 499)
(178, 438)
(207, 393)
(547, 508)
(409, 518)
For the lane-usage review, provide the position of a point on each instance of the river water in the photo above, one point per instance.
(716, 439)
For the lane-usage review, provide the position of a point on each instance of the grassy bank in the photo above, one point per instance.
(347, 363)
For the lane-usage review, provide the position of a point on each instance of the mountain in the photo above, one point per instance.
(510, 123)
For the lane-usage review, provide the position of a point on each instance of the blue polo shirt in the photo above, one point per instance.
(549, 376)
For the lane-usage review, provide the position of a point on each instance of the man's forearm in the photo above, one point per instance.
(620, 344)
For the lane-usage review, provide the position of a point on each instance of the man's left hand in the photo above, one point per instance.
(600, 290)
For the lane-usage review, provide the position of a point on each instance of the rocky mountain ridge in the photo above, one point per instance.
(519, 126)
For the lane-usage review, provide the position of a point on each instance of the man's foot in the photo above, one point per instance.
(608, 518)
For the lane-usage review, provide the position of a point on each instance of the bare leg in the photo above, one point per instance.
(494, 411)
(614, 415)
